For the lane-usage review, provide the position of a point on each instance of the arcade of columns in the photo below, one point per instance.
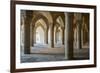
(71, 22)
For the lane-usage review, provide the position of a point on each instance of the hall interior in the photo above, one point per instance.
(63, 35)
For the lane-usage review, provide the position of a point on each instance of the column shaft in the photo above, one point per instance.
(52, 36)
(27, 32)
(69, 36)
(79, 35)
(27, 38)
(63, 36)
(32, 37)
(46, 35)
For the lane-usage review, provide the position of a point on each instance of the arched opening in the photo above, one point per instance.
(61, 28)
(39, 35)
(59, 36)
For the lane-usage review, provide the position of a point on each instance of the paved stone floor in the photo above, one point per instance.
(43, 54)
(42, 58)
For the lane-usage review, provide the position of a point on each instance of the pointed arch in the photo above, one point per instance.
(40, 17)
(39, 33)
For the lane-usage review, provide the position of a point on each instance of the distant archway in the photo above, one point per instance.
(39, 35)
(59, 36)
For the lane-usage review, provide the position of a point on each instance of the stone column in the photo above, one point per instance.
(52, 35)
(63, 36)
(68, 36)
(46, 36)
(22, 29)
(56, 35)
(79, 23)
(27, 32)
(32, 36)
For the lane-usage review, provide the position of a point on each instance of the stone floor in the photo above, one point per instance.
(59, 49)
(46, 57)
(41, 58)
(44, 53)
